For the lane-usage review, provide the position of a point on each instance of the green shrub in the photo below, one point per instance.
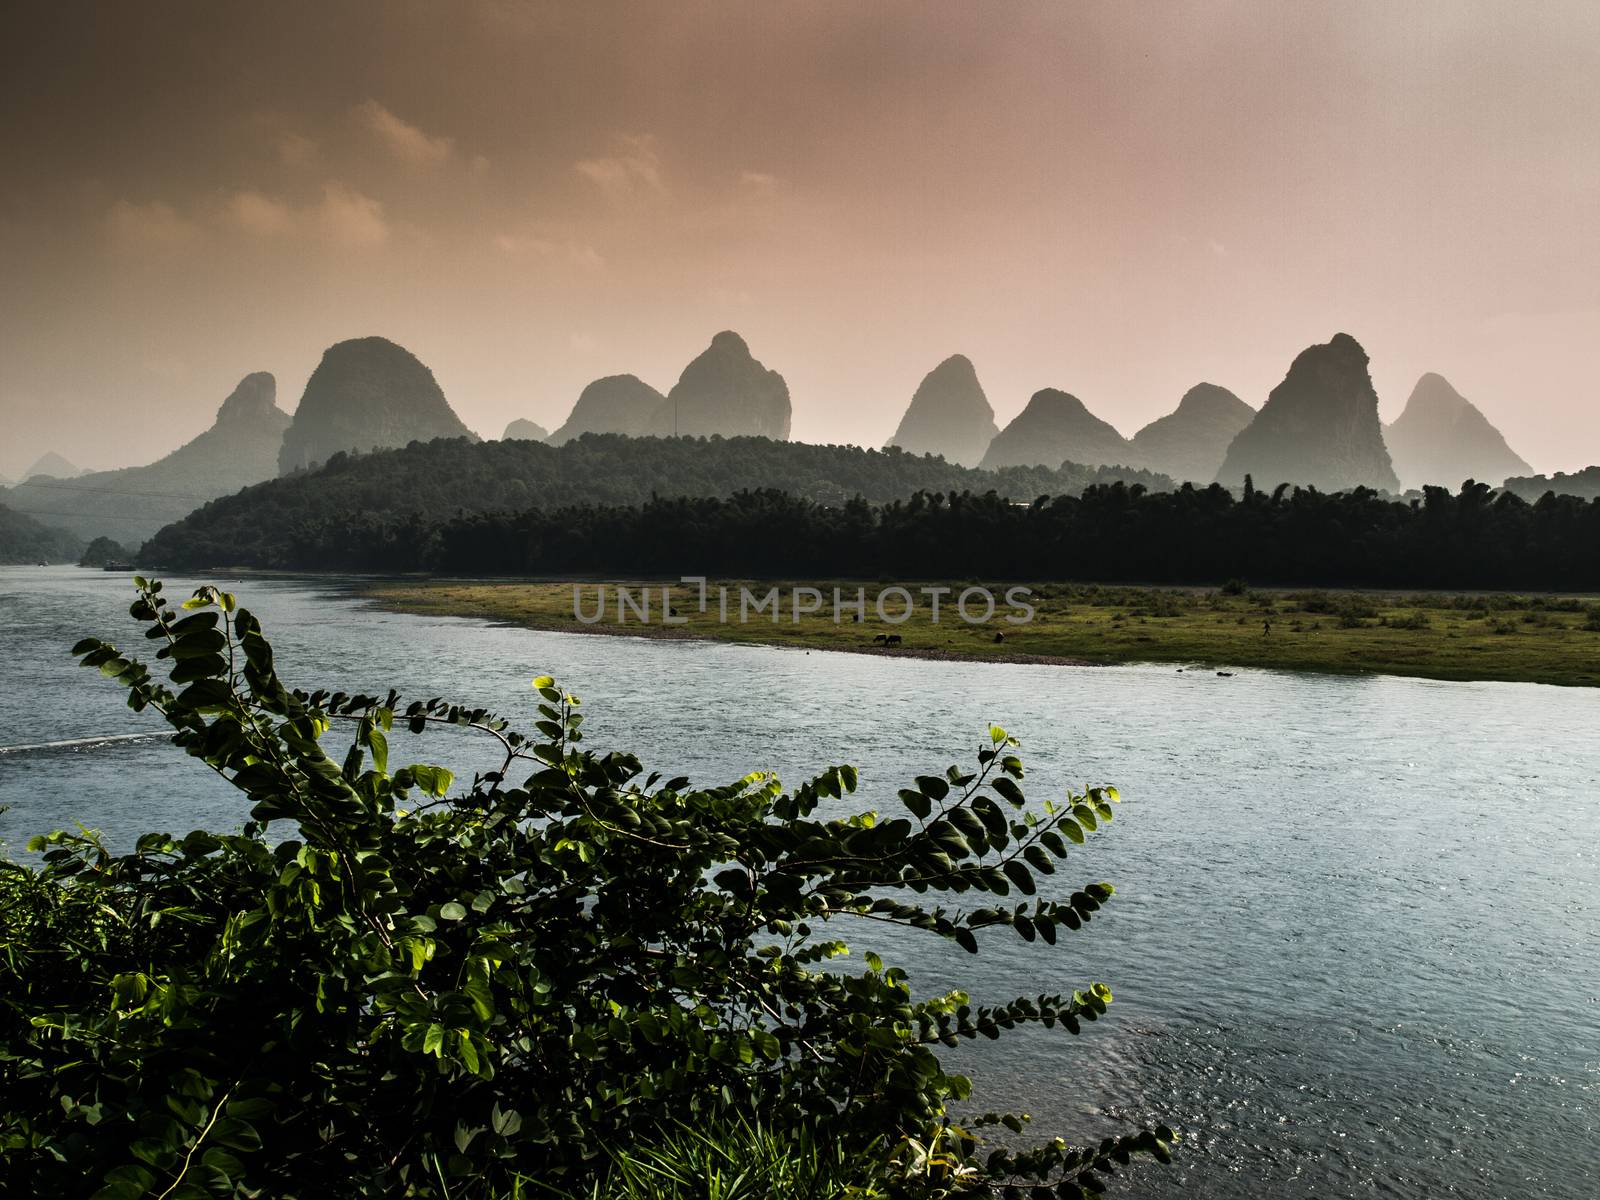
(380, 988)
(1410, 620)
(733, 1161)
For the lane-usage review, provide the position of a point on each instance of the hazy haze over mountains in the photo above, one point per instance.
(1055, 428)
(725, 391)
(366, 394)
(615, 404)
(1318, 427)
(1442, 438)
(129, 504)
(1074, 194)
(525, 430)
(52, 464)
(1190, 442)
(948, 415)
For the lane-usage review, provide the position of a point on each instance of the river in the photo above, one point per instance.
(1356, 941)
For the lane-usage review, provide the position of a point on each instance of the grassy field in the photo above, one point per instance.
(1541, 639)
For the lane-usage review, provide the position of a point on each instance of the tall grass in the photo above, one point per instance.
(738, 1161)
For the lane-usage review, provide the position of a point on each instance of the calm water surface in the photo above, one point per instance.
(1356, 941)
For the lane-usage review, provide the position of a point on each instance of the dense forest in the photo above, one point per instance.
(1584, 484)
(281, 521)
(1474, 539)
(25, 540)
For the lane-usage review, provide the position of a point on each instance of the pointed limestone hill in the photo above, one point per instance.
(726, 391)
(366, 394)
(1054, 428)
(1318, 428)
(522, 430)
(1190, 442)
(53, 466)
(949, 415)
(1442, 438)
(615, 404)
(240, 448)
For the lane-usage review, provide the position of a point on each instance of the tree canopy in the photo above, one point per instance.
(427, 483)
(1476, 538)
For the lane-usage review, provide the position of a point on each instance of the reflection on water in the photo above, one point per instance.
(1355, 946)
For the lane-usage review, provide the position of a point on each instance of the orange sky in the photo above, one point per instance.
(1117, 200)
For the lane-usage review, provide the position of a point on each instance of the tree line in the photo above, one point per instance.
(430, 483)
(1475, 538)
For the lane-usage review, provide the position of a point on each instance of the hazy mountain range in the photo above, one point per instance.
(132, 503)
(1441, 435)
(948, 415)
(1318, 427)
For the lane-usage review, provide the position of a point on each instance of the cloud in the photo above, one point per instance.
(633, 170)
(256, 213)
(348, 218)
(580, 254)
(405, 141)
(295, 149)
(758, 182)
(153, 225)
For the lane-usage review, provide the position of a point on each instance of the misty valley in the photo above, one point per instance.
(811, 601)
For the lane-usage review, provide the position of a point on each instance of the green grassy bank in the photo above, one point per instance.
(1538, 639)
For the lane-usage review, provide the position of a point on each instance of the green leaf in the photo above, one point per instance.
(1020, 876)
(916, 803)
(451, 911)
(1009, 790)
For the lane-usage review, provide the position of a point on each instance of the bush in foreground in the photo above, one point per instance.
(381, 988)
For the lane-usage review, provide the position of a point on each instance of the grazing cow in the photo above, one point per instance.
(879, 639)
(999, 637)
(892, 640)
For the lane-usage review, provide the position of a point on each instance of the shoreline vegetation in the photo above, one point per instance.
(1552, 639)
(564, 978)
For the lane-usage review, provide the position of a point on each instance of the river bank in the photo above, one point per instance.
(1531, 639)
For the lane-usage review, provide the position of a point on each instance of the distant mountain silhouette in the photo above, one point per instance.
(54, 466)
(525, 431)
(1584, 484)
(27, 540)
(1190, 442)
(1318, 428)
(615, 404)
(1443, 438)
(366, 394)
(948, 415)
(1055, 428)
(130, 504)
(726, 391)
